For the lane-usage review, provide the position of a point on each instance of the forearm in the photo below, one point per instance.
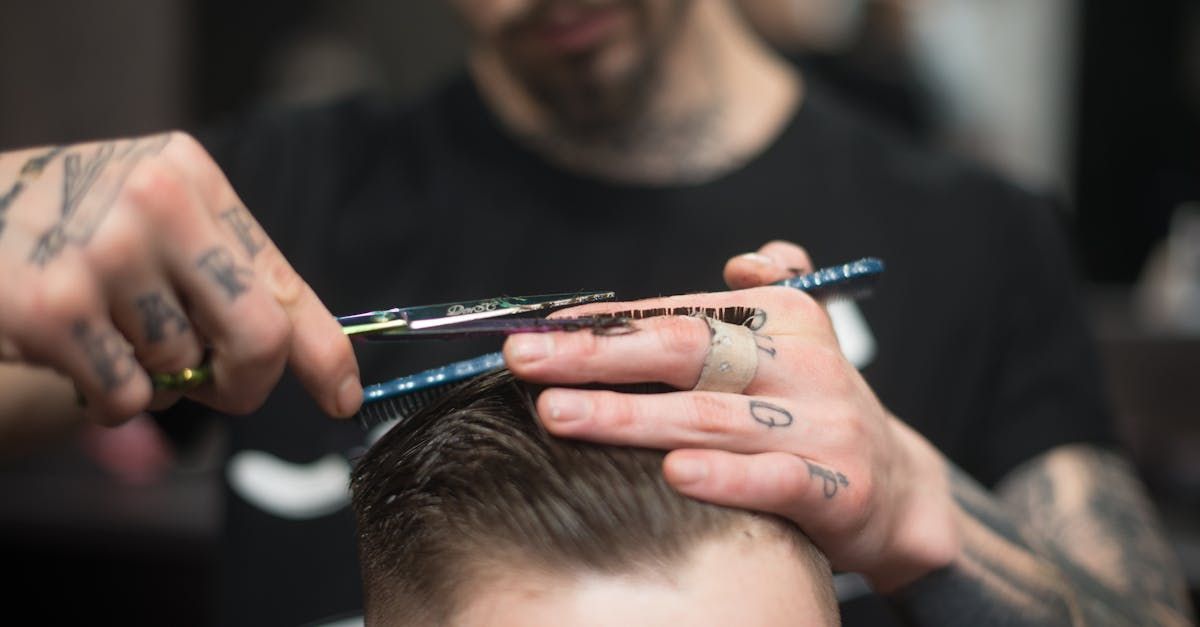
(36, 406)
(1071, 540)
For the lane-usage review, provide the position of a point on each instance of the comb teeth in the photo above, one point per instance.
(731, 315)
(400, 407)
(402, 397)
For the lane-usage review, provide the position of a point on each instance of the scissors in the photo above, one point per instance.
(499, 316)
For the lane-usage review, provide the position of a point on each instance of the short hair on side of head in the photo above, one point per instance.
(474, 478)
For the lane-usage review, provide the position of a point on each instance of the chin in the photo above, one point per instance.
(593, 69)
(598, 89)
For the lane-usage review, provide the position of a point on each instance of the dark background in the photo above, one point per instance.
(75, 69)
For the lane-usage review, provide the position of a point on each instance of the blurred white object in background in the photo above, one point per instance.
(1002, 75)
(1168, 292)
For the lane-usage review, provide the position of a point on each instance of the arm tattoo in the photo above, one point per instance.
(29, 172)
(830, 479)
(218, 263)
(157, 315)
(770, 415)
(1094, 510)
(1050, 554)
(108, 353)
(88, 194)
(243, 226)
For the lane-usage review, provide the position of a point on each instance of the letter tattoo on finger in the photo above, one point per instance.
(766, 344)
(218, 263)
(110, 355)
(244, 227)
(757, 320)
(157, 315)
(770, 415)
(831, 480)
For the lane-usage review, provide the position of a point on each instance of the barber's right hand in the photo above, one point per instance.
(130, 257)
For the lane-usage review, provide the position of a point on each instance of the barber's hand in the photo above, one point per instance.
(135, 256)
(807, 439)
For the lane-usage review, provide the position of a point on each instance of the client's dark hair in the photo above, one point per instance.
(473, 481)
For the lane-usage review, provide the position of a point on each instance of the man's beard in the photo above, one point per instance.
(583, 105)
(590, 110)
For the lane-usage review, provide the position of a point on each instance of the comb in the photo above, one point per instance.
(399, 398)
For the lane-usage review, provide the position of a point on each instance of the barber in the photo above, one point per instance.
(616, 145)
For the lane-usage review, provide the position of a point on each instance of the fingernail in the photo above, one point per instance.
(349, 396)
(758, 258)
(568, 406)
(688, 470)
(530, 347)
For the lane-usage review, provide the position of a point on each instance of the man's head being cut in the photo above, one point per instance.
(470, 514)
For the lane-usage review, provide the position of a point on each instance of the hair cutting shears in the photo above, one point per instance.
(499, 316)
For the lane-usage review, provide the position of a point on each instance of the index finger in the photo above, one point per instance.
(319, 354)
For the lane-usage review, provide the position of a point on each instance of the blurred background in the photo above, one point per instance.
(1095, 102)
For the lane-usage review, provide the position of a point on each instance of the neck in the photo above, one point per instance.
(717, 98)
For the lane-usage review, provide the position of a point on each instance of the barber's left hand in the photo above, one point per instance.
(807, 439)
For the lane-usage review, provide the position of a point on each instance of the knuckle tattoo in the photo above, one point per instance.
(220, 266)
(757, 320)
(770, 415)
(157, 315)
(244, 228)
(831, 480)
(108, 354)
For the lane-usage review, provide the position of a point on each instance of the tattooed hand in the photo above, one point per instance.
(807, 439)
(135, 256)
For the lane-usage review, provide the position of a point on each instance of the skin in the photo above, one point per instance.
(91, 233)
(737, 579)
(100, 246)
(664, 92)
(874, 495)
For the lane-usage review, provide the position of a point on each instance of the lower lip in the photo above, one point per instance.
(582, 34)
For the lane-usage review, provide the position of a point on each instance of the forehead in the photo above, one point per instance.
(739, 579)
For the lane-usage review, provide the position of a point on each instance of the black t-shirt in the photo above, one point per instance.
(981, 344)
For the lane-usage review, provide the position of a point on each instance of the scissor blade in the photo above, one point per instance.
(456, 313)
(402, 320)
(508, 326)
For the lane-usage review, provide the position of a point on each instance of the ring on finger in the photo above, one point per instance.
(184, 380)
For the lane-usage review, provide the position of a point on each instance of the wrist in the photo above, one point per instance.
(924, 534)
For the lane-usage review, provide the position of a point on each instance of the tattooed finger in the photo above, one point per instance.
(244, 228)
(780, 483)
(103, 366)
(219, 265)
(149, 314)
(672, 420)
